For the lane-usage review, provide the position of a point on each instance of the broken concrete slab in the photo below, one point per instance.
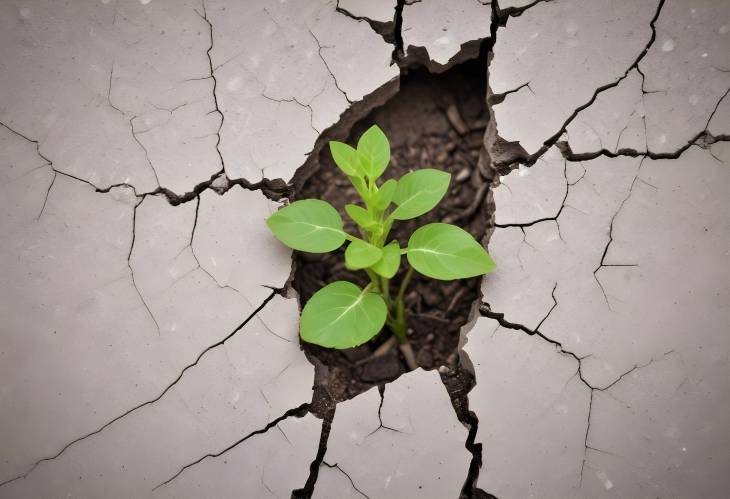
(679, 103)
(391, 451)
(65, 320)
(139, 336)
(79, 89)
(382, 11)
(659, 277)
(642, 109)
(235, 389)
(233, 244)
(564, 258)
(532, 410)
(443, 28)
(284, 76)
(271, 464)
(150, 303)
(181, 142)
(615, 121)
(554, 39)
(523, 201)
(657, 445)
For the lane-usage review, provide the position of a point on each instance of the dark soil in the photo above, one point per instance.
(435, 121)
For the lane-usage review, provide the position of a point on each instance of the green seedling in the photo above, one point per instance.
(341, 315)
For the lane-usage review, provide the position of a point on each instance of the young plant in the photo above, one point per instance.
(341, 315)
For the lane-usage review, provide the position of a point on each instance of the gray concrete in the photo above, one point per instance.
(443, 27)
(144, 353)
(411, 446)
(612, 269)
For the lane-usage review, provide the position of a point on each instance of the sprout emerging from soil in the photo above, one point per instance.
(341, 315)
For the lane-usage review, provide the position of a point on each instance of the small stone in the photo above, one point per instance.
(463, 175)
(452, 113)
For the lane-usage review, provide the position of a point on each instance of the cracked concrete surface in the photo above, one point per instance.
(441, 28)
(149, 342)
(370, 440)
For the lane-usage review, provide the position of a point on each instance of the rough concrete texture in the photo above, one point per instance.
(412, 445)
(382, 11)
(149, 345)
(443, 27)
(611, 298)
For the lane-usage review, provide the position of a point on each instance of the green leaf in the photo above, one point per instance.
(374, 151)
(308, 225)
(361, 187)
(446, 252)
(385, 194)
(360, 216)
(418, 192)
(346, 158)
(388, 264)
(360, 255)
(341, 315)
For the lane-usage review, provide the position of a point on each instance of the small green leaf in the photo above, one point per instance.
(341, 315)
(360, 255)
(346, 158)
(418, 192)
(447, 252)
(374, 151)
(388, 264)
(308, 225)
(360, 216)
(385, 194)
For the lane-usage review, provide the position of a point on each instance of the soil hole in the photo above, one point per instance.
(434, 121)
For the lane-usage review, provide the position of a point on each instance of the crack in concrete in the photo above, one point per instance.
(48, 163)
(530, 159)
(109, 91)
(308, 489)
(398, 50)
(381, 391)
(48, 193)
(295, 100)
(386, 29)
(204, 17)
(593, 389)
(253, 314)
(144, 149)
(702, 139)
(486, 311)
(262, 185)
(505, 13)
(274, 189)
(131, 270)
(337, 466)
(131, 125)
(197, 261)
(602, 263)
(327, 66)
(495, 99)
(554, 218)
(299, 410)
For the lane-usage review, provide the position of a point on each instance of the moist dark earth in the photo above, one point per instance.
(434, 121)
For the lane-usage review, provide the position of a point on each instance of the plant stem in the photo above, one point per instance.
(397, 319)
(385, 288)
(374, 280)
(403, 285)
